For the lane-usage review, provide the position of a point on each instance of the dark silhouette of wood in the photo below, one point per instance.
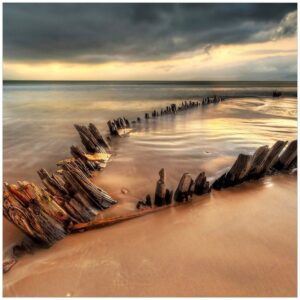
(183, 191)
(201, 185)
(160, 192)
(100, 139)
(288, 157)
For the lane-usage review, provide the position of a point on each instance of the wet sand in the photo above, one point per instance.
(238, 242)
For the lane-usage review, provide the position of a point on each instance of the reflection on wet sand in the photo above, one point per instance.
(238, 242)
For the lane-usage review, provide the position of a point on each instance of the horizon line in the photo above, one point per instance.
(121, 80)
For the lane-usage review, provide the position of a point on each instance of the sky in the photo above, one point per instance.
(144, 41)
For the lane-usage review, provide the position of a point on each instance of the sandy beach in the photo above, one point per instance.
(237, 242)
(150, 149)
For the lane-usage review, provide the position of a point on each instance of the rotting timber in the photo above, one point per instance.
(265, 161)
(121, 126)
(69, 201)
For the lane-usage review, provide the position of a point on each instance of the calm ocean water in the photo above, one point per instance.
(213, 247)
(38, 118)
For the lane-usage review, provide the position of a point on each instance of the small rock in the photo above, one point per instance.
(124, 191)
(8, 264)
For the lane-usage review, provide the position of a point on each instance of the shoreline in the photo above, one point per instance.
(131, 159)
(263, 161)
(258, 215)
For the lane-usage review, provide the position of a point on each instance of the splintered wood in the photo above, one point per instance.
(45, 214)
(68, 197)
(70, 201)
(263, 162)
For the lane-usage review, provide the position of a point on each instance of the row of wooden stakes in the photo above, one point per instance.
(70, 202)
(185, 105)
(264, 161)
(68, 196)
(121, 126)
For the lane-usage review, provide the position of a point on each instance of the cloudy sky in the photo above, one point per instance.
(150, 41)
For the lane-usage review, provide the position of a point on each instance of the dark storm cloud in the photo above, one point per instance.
(104, 32)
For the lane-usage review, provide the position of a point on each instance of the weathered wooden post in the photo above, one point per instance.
(273, 155)
(257, 162)
(201, 185)
(100, 139)
(160, 192)
(183, 191)
(287, 157)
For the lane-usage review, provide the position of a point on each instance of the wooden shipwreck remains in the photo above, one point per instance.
(163, 196)
(185, 188)
(97, 147)
(70, 202)
(201, 185)
(119, 127)
(263, 162)
(45, 214)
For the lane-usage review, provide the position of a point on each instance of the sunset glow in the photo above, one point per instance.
(256, 51)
